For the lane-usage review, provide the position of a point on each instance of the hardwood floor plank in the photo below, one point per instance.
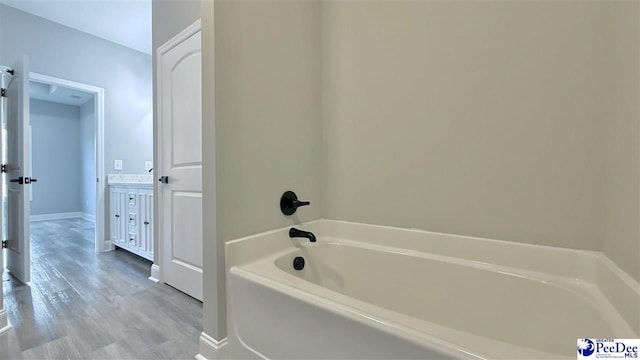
(61, 348)
(83, 305)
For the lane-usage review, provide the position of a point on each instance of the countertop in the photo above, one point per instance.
(130, 179)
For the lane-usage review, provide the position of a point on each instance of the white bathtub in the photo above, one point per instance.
(405, 294)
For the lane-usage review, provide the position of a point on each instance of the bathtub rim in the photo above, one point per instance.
(622, 291)
(267, 272)
(410, 328)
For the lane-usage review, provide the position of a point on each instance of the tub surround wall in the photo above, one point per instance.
(621, 238)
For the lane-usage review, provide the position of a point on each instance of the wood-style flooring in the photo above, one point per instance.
(83, 305)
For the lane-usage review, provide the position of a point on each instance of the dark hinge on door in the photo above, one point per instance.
(4, 244)
(3, 92)
(3, 168)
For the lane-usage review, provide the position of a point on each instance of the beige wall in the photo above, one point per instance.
(621, 240)
(475, 118)
(267, 119)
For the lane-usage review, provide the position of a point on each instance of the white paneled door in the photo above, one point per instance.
(180, 157)
(18, 180)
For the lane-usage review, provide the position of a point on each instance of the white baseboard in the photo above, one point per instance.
(155, 273)
(107, 246)
(5, 325)
(56, 216)
(88, 217)
(210, 348)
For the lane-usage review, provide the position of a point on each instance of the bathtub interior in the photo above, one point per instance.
(518, 307)
(488, 282)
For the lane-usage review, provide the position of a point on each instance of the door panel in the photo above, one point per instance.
(186, 148)
(18, 157)
(188, 228)
(181, 99)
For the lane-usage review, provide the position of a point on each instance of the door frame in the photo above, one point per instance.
(157, 269)
(101, 243)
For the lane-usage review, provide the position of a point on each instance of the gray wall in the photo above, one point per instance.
(56, 158)
(125, 74)
(492, 119)
(621, 238)
(267, 125)
(512, 121)
(2, 43)
(88, 158)
(473, 118)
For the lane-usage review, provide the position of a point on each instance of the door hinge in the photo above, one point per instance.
(3, 92)
(4, 244)
(3, 168)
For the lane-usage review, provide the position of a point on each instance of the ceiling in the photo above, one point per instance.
(125, 22)
(58, 94)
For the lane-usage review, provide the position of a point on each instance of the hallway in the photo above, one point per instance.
(82, 305)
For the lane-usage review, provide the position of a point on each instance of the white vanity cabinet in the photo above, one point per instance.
(131, 216)
(117, 214)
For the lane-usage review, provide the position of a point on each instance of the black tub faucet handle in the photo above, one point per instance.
(289, 203)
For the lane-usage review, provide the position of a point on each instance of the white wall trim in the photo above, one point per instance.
(56, 216)
(88, 217)
(210, 348)
(155, 273)
(5, 325)
(101, 183)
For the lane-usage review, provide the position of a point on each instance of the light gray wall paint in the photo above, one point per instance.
(56, 158)
(621, 238)
(1, 51)
(87, 157)
(66, 53)
(169, 17)
(473, 118)
(267, 112)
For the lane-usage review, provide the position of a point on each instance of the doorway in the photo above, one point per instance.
(72, 185)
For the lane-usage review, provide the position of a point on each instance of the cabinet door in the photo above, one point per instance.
(142, 224)
(122, 219)
(113, 214)
(117, 213)
(145, 211)
(148, 204)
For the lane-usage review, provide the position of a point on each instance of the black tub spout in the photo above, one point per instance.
(294, 233)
